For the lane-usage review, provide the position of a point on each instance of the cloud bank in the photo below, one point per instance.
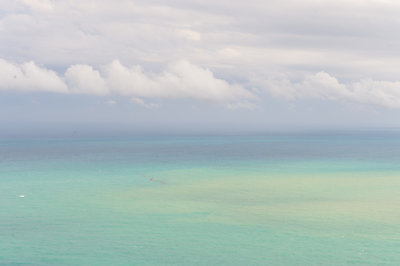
(245, 42)
(346, 38)
(179, 80)
(183, 80)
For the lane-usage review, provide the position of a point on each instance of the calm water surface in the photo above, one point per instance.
(315, 199)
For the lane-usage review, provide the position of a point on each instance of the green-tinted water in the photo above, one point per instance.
(294, 200)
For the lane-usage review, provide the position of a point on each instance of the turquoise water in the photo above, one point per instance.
(201, 200)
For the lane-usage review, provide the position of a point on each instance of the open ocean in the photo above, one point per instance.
(316, 199)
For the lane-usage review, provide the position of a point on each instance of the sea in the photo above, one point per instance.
(315, 198)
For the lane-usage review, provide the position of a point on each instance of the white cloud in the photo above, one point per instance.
(184, 80)
(179, 80)
(326, 87)
(85, 80)
(322, 85)
(29, 77)
(130, 81)
(144, 104)
(187, 80)
(377, 92)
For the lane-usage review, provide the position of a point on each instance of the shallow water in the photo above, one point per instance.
(201, 200)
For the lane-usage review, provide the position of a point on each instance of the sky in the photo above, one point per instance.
(198, 66)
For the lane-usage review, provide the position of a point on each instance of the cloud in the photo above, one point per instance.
(184, 80)
(189, 34)
(349, 39)
(179, 80)
(322, 85)
(130, 81)
(326, 87)
(38, 5)
(377, 92)
(187, 80)
(145, 104)
(83, 79)
(29, 77)
(354, 42)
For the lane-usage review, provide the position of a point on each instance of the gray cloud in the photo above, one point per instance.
(334, 36)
